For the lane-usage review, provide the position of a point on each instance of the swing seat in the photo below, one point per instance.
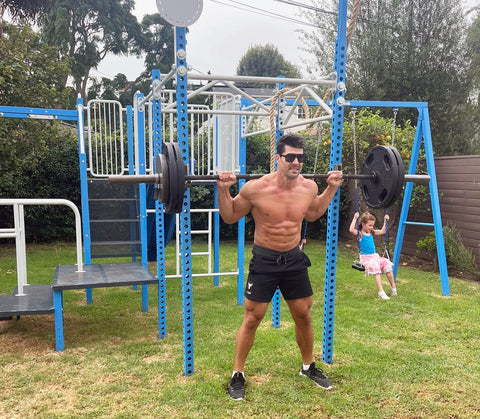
(358, 266)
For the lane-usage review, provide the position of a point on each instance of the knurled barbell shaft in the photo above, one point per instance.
(126, 179)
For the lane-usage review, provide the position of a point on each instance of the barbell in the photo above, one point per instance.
(381, 178)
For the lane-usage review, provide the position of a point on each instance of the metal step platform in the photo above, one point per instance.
(38, 299)
(48, 298)
(99, 275)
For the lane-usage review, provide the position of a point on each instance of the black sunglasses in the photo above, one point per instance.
(290, 157)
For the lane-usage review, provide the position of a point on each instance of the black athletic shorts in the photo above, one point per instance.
(270, 269)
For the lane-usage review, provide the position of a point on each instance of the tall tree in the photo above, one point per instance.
(473, 51)
(118, 88)
(31, 74)
(88, 30)
(265, 61)
(22, 9)
(157, 42)
(157, 45)
(407, 50)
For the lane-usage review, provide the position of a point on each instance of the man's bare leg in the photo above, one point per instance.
(254, 313)
(300, 311)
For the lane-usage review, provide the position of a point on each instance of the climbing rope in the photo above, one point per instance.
(273, 134)
(319, 141)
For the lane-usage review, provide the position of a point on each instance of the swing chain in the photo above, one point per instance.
(394, 123)
(354, 140)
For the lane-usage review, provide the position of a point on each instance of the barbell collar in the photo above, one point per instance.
(423, 179)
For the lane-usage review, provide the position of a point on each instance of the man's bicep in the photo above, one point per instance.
(317, 207)
(314, 209)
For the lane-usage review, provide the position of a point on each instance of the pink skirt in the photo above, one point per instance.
(375, 264)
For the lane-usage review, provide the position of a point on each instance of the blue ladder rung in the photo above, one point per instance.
(419, 224)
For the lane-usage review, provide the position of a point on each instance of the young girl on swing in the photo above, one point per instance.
(373, 262)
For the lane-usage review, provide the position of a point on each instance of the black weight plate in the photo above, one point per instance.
(181, 172)
(401, 177)
(378, 192)
(176, 177)
(162, 190)
(169, 159)
(396, 192)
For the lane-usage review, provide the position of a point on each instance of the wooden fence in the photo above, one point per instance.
(458, 180)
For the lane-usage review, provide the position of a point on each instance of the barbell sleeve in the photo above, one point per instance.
(423, 179)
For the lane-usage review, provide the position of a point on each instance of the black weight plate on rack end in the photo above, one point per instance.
(378, 192)
(176, 178)
(172, 198)
(401, 176)
(167, 152)
(162, 190)
(181, 172)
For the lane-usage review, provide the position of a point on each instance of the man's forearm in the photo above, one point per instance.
(225, 205)
(326, 197)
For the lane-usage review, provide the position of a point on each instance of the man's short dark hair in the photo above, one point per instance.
(292, 140)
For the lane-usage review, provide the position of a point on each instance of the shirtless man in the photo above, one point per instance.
(278, 202)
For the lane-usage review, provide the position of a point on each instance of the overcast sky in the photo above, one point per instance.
(224, 32)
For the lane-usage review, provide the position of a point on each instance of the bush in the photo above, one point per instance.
(50, 169)
(457, 255)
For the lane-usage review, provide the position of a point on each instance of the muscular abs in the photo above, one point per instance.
(278, 214)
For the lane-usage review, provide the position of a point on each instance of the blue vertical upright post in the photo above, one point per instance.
(84, 190)
(333, 209)
(407, 196)
(216, 219)
(242, 157)
(241, 255)
(185, 221)
(130, 145)
(58, 318)
(216, 238)
(437, 218)
(142, 189)
(278, 133)
(423, 131)
(131, 168)
(159, 215)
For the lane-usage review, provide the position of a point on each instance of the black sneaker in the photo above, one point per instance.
(236, 386)
(317, 376)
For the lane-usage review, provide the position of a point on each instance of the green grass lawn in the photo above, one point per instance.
(414, 356)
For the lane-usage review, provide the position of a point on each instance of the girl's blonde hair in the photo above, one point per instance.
(365, 218)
